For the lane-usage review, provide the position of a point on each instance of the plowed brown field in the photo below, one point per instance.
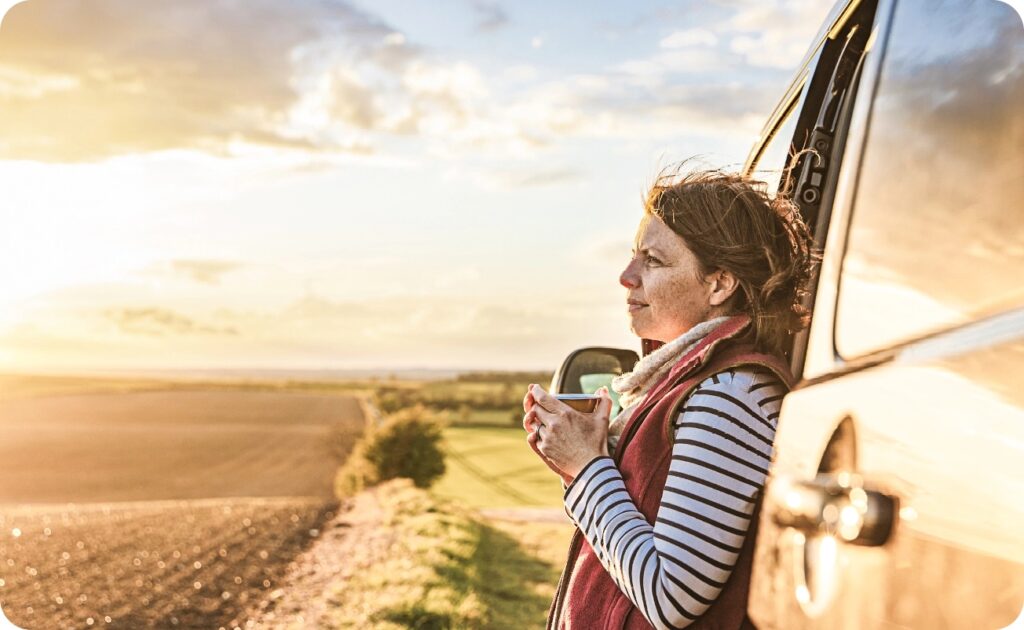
(161, 509)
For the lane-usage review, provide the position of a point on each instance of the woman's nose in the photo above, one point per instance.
(629, 277)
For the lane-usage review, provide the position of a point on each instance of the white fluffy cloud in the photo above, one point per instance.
(775, 33)
(689, 37)
(82, 82)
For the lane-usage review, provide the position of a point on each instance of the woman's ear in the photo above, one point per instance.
(723, 285)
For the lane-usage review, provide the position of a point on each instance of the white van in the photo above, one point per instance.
(896, 498)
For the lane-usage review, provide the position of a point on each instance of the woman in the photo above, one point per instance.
(665, 495)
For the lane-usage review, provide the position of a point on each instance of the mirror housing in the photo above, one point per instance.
(586, 370)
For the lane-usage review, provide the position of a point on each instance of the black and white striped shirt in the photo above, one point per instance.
(676, 569)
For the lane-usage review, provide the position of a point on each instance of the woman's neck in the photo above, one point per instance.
(649, 370)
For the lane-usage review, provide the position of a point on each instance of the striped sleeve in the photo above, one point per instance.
(674, 570)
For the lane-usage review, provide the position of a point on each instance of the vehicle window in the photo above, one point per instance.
(775, 155)
(937, 231)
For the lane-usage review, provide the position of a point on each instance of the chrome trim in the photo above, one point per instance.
(786, 107)
(842, 19)
(991, 331)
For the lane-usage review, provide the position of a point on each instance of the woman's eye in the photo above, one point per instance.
(653, 262)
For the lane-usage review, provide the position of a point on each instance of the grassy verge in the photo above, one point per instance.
(449, 569)
(490, 467)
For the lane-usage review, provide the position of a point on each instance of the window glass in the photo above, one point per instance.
(937, 230)
(775, 155)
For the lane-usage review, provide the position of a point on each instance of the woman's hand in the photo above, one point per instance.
(566, 439)
(531, 424)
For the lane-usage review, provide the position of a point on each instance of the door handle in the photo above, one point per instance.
(834, 504)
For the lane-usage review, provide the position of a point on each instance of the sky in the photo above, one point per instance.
(325, 184)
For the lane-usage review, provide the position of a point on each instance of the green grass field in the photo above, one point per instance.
(489, 467)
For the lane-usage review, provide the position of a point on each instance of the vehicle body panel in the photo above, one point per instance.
(934, 404)
(944, 433)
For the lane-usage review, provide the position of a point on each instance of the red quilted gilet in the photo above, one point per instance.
(587, 598)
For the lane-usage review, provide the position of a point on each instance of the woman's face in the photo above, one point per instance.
(667, 293)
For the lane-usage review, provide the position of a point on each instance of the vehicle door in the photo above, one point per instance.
(897, 493)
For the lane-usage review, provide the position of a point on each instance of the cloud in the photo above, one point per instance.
(718, 105)
(118, 76)
(490, 16)
(313, 307)
(614, 250)
(632, 103)
(158, 322)
(352, 101)
(17, 83)
(658, 69)
(444, 326)
(86, 81)
(204, 271)
(518, 179)
(721, 75)
(689, 37)
(215, 75)
(420, 321)
(775, 34)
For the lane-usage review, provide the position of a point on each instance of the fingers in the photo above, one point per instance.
(544, 399)
(531, 421)
(545, 417)
(528, 401)
(533, 439)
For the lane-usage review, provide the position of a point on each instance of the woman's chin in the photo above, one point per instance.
(639, 329)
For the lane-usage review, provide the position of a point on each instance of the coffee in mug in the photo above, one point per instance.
(580, 402)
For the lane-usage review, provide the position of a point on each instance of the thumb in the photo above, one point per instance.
(604, 406)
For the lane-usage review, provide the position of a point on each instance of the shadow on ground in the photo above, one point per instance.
(499, 584)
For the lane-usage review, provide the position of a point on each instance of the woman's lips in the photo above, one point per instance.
(634, 305)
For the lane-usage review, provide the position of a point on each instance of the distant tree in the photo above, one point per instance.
(502, 377)
(407, 444)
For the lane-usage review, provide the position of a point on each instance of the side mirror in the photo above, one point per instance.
(586, 370)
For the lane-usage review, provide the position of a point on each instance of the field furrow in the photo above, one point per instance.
(161, 509)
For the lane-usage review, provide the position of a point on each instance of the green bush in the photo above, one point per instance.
(406, 444)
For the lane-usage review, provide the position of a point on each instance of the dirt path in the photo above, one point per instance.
(350, 542)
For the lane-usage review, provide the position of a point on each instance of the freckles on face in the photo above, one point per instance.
(666, 293)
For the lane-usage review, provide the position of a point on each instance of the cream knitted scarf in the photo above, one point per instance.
(633, 386)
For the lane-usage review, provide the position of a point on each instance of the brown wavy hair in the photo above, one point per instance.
(730, 223)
